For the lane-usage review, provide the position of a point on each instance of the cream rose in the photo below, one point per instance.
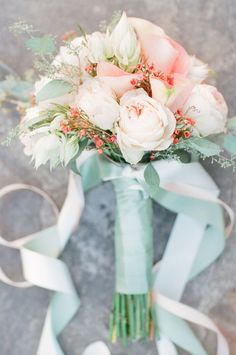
(208, 108)
(144, 125)
(98, 102)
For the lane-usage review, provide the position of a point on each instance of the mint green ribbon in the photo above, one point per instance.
(196, 240)
(133, 239)
(186, 258)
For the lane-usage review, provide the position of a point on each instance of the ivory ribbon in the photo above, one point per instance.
(196, 240)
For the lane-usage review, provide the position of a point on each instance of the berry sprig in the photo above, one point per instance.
(148, 71)
(77, 122)
(91, 69)
(69, 36)
(184, 126)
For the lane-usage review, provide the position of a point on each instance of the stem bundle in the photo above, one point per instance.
(132, 317)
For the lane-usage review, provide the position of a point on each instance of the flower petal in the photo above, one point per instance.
(182, 90)
(159, 51)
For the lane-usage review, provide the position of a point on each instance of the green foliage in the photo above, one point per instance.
(184, 157)
(41, 45)
(152, 179)
(72, 164)
(230, 144)
(15, 88)
(231, 124)
(204, 146)
(54, 88)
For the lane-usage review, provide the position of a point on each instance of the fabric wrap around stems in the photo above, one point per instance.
(133, 239)
(196, 240)
(132, 306)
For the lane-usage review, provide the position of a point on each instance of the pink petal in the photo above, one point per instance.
(158, 90)
(144, 27)
(182, 90)
(182, 62)
(120, 85)
(159, 51)
(108, 69)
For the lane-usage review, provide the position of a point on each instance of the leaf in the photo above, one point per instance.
(204, 146)
(22, 90)
(41, 45)
(152, 179)
(54, 88)
(217, 138)
(72, 164)
(230, 144)
(16, 88)
(231, 123)
(184, 157)
(82, 31)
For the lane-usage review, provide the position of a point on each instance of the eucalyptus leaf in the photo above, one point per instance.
(41, 45)
(73, 167)
(18, 89)
(230, 144)
(204, 146)
(184, 157)
(30, 123)
(54, 88)
(231, 123)
(72, 164)
(152, 179)
(217, 138)
(21, 90)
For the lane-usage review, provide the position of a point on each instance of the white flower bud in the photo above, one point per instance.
(124, 44)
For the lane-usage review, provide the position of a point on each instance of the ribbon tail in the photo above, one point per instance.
(97, 348)
(165, 346)
(197, 239)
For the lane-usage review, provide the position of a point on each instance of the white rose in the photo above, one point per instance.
(99, 103)
(144, 125)
(124, 44)
(66, 99)
(208, 108)
(198, 71)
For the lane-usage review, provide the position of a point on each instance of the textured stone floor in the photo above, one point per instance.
(206, 28)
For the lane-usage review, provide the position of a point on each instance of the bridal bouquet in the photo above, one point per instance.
(130, 105)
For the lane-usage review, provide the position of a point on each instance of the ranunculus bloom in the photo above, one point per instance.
(159, 49)
(144, 125)
(208, 108)
(98, 102)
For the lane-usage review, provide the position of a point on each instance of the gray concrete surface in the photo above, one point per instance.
(205, 27)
